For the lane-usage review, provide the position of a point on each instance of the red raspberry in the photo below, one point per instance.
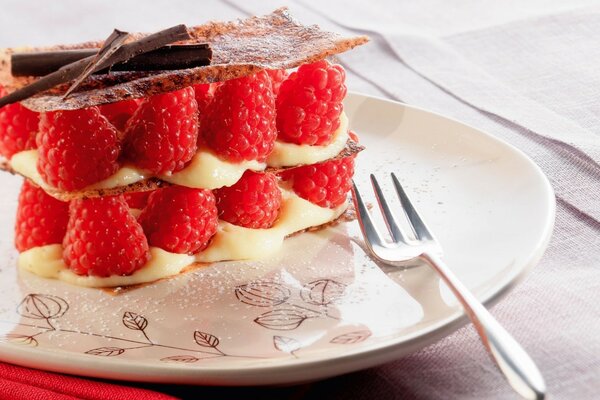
(76, 148)
(277, 77)
(253, 202)
(18, 126)
(179, 219)
(161, 136)
(119, 113)
(137, 199)
(325, 184)
(103, 238)
(41, 219)
(204, 94)
(241, 119)
(309, 103)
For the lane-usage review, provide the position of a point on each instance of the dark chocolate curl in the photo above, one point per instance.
(111, 44)
(239, 48)
(170, 57)
(73, 70)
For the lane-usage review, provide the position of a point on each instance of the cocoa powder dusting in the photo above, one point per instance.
(240, 48)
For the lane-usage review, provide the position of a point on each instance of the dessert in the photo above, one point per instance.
(133, 175)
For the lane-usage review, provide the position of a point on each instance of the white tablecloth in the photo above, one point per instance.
(526, 72)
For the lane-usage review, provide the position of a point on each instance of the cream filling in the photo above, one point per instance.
(25, 163)
(126, 175)
(289, 154)
(231, 242)
(206, 170)
(47, 261)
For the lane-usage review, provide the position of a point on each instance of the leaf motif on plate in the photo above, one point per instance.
(282, 319)
(134, 321)
(286, 344)
(106, 351)
(42, 306)
(206, 339)
(262, 294)
(19, 339)
(352, 337)
(322, 292)
(185, 359)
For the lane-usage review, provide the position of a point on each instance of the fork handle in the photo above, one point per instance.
(516, 365)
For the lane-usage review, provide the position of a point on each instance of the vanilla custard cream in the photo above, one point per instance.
(290, 154)
(231, 242)
(206, 170)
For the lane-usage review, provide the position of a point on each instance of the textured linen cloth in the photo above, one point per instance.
(526, 72)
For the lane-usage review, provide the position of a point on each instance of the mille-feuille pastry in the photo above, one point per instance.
(133, 175)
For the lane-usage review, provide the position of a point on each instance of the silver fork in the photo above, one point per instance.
(516, 365)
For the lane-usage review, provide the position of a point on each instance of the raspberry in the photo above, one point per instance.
(119, 113)
(179, 219)
(204, 94)
(309, 103)
(18, 126)
(253, 202)
(277, 77)
(137, 200)
(161, 136)
(241, 119)
(325, 184)
(103, 238)
(76, 148)
(41, 219)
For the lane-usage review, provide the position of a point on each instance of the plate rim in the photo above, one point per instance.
(321, 368)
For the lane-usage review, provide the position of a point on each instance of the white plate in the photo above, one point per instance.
(320, 308)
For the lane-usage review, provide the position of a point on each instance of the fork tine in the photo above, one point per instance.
(419, 227)
(389, 217)
(367, 226)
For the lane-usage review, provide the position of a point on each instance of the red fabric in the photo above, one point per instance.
(18, 383)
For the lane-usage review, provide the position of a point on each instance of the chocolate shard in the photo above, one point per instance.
(111, 44)
(40, 63)
(243, 47)
(169, 57)
(49, 81)
(73, 70)
(166, 58)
